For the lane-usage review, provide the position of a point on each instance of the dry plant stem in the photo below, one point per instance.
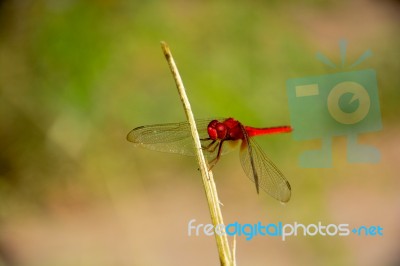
(234, 250)
(208, 180)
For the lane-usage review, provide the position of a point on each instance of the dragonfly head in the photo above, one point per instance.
(217, 130)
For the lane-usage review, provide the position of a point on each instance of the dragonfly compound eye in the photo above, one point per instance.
(212, 130)
(221, 131)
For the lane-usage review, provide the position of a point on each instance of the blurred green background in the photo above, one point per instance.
(77, 76)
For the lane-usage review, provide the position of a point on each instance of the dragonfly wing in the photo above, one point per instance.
(261, 170)
(172, 137)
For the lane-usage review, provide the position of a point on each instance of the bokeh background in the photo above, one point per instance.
(77, 76)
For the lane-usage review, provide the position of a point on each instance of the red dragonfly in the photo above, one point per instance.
(215, 136)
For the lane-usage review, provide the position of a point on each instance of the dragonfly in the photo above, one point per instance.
(218, 137)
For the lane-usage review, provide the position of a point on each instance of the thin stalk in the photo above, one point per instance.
(207, 176)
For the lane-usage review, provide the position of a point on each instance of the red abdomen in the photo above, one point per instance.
(252, 131)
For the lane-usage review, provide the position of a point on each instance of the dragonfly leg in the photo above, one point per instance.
(211, 147)
(214, 161)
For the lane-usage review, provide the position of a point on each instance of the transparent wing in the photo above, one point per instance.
(175, 138)
(261, 170)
